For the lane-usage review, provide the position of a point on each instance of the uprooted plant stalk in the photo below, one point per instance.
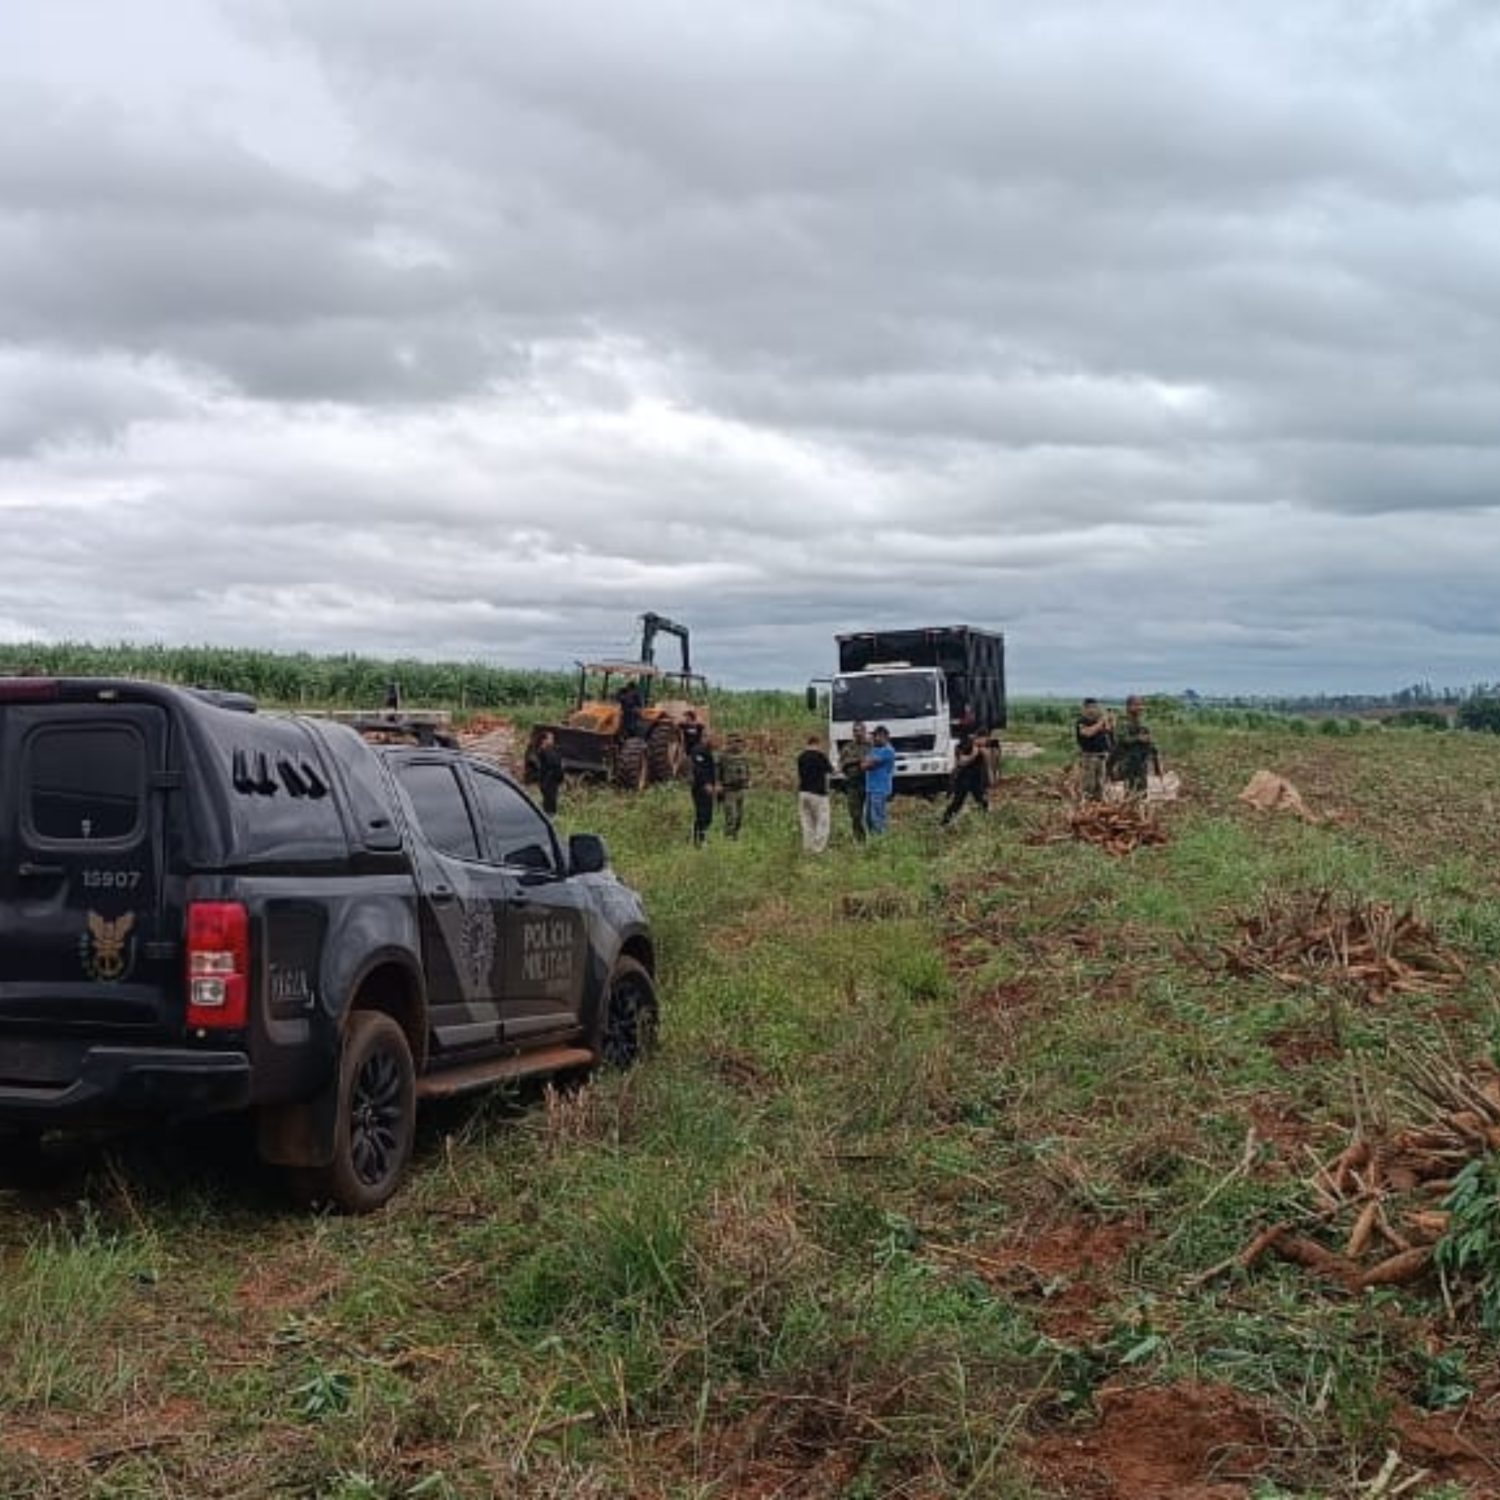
(1115, 827)
(1387, 1198)
(1322, 937)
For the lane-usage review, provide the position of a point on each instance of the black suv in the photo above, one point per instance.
(205, 909)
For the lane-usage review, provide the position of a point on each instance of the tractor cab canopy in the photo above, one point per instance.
(602, 680)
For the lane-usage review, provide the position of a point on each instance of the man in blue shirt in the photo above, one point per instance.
(880, 775)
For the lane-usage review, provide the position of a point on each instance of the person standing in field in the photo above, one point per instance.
(1094, 731)
(630, 701)
(1136, 754)
(880, 780)
(971, 778)
(734, 782)
(705, 774)
(852, 769)
(692, 732)
(549, 772)
(813, 772)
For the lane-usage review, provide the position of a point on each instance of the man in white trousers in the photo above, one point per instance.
(813, 772)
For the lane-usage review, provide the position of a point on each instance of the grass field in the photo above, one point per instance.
(917, 1198)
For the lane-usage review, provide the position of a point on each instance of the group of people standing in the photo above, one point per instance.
(867, 767)
(1108, 750)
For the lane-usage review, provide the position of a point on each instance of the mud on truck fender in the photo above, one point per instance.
(303, 1133)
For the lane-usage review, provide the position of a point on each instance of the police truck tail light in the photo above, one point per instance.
(218, 964)
(28, 690)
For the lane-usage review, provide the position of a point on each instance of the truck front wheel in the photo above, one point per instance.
(628, 1016)
(375, 1120)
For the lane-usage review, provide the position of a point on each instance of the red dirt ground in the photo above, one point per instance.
(1455, 1445)
(1295, 1046)
(1179, 1442)
(1065, 1268)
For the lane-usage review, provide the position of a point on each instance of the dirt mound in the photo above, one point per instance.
(1320, 937)
(1454, 1446)
(1177, 1442)
(1065, 1270)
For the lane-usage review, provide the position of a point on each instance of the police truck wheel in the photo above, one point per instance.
(375, 1121)
(631, 768)
(628, 1022)
(664, 752)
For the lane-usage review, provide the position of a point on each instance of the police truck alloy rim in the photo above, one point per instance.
(376, 1119)
(628, 1022)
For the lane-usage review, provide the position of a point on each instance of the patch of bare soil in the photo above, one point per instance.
(1065, 1272)
(1296, 1046)
(1454, 1446)
(84, 1439)
(1002, 1000)
(775, 915)
(737, 1068)
(287, 1281)
(1283, 1128)
(793, 1446)
(1178, 1442)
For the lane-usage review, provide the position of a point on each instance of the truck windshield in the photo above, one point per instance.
(875, 696)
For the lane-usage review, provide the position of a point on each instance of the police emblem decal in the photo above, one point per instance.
(477, 945)
(108, 948)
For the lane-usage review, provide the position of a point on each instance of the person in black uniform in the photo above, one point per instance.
(629, 699)
(705, 787)
(549, 772)
(692, 732)
(971, 778)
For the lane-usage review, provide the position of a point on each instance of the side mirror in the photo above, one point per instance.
(587, 854)
(812, 699)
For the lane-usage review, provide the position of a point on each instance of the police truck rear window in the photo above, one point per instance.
(85, 786)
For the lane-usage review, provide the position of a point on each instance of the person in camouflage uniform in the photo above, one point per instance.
(852, 770)
(734, 782)
(1094, 733)
(1135, 755)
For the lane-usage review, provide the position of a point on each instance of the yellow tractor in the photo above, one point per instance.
(659, 704)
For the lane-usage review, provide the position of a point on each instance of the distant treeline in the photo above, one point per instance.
(300, 677)
(1416, 695)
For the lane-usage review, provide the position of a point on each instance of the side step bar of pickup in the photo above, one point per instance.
(452, 1081)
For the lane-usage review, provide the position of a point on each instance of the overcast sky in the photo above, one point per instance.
(1164, 336)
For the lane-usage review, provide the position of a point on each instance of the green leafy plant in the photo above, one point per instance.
(1470, 1250)
(325, 1394)
(1443, 1382)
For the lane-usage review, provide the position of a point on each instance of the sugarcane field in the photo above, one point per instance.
(1125, 1147)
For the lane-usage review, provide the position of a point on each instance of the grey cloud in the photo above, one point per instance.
(1163, 336)
(50, 400)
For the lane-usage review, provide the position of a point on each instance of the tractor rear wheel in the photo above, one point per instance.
(630, 766)
(664, 751)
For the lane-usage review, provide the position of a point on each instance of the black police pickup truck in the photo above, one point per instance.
(207, 909)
